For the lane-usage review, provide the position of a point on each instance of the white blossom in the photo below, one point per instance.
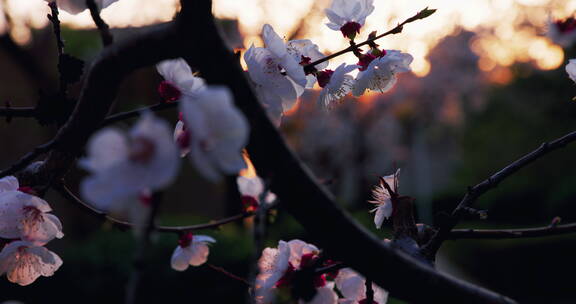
(126, 167)
(179, 79)
(24, 216)
(305, 51)
(353, 287)
(382, 198)
(380, 75)
(348, 16)
(218, 132)
(571, 69)
(276, 70)
(77, 6)
(338, 86)
(24, 262)
(251, 189)
(276, 263)
(193, 250)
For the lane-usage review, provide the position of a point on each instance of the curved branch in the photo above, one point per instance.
(495, 234)
(69, 195)
(475, 192)
(405, 277)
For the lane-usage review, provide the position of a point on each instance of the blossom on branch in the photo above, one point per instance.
(251, 189)
(562, 32)
(382, 197)
(77, 6)
(25, 216)
(380, 75)
(192, 250)
(217, 132)
(277, 72)
(335, 84)
(178, 80)
(126, 167)
(23, 262)
(277, 268)
(348, 16)
(353, 287)
(305, 52)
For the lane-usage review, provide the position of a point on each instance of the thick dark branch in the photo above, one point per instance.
(27, 160)
(103, 28)
(69, 195)
(495, 234)
(405, 277)
(100, 88)
(475, 192)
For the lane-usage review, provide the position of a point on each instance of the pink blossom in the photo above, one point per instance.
(192, 250)
(23, 262)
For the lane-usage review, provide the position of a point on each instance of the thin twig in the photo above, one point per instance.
(369, 292)
(397, 29)
(496, 234)
(68, 194)
(140, 256)
(135, 113)
(103, 28)
(228, 274)
(475, 192)
(10, 112)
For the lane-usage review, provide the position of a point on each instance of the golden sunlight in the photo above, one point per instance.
(507, 31)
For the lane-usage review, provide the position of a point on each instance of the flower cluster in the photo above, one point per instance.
(281, 71)
(278, 269)
(26, 224)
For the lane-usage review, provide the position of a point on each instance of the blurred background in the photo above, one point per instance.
(488, 85)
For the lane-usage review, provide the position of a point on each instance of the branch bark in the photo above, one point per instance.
(497, 234)
(431, 248)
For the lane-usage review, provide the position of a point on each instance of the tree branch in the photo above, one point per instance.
(496, 234)
(396, 30)
(475, 192)
(405, 277)
(67, 194)
(103, 28)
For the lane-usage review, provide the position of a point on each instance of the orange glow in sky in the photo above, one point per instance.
(507, 31)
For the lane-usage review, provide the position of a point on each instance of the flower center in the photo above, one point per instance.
(365, 61)
(186, 239)
(145, 198)
(304, 60)
(168, 92)
(27, 189)
(32, 213)
(350, 29)
(324, 77)
(286, 279)
(142, 150)
(249, 202)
